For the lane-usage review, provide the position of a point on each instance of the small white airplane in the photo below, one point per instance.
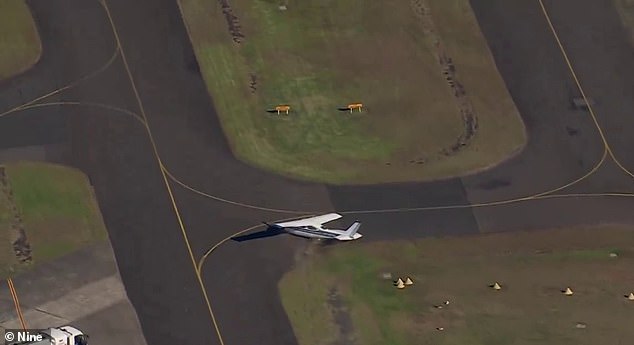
(313, 228)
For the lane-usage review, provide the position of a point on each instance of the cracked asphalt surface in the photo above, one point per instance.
(100, 124)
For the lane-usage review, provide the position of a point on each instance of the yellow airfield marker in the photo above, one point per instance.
(353, 106)
(282, 107)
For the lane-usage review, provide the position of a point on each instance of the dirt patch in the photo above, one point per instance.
(233, 24)
(448, 69)
(253, 83)
(342, 318)
(20, 243)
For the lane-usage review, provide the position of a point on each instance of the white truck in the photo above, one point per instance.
(64, 335)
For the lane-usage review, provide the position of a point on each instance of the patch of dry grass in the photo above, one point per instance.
(533, 268)
(20, 45)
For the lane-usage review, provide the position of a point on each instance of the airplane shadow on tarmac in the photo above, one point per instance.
(270, 232)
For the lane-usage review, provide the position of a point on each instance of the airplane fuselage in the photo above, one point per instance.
(312, 232)
(324, 234)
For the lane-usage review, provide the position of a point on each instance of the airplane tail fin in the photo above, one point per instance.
(351, 232)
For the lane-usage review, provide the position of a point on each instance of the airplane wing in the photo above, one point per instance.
(314, 221)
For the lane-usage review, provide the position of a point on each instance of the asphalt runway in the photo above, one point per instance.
(594, 39)
(155, 77)
(542, 88)
(564, 143)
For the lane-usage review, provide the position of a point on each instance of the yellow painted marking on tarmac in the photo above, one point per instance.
(583, 94)
(623, 168)
(231, 202)
(487, 204)
(69, 86)
(201, 261)
(408, 209)
(89, 104)
(165, 179)
(588, 174)
(16, 302)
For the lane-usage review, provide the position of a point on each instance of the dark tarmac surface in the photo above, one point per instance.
(564, 143)
(597, 45)
(542, 88)
(241, 278)
(109, 323)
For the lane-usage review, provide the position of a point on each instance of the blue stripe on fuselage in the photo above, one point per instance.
(316, 232)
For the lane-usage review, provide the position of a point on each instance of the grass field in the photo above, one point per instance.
(58, 208)
(626, 11)
(20, 46)
(320, 55)
(532, 268)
